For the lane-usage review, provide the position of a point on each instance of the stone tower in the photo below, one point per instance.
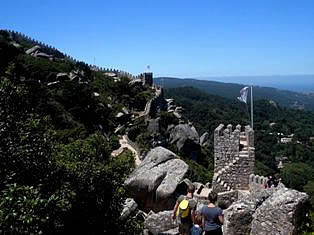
(234, 158)
(148, 79)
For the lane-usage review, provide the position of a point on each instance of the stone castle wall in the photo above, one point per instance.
(20, 36)
(257, 182)
(234, 158)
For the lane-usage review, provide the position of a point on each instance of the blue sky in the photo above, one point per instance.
(175, 37)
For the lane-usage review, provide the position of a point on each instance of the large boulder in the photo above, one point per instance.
(238, 218)
(161, 223)
(33, 50)
(282, 213)
(266, 211)
(129, 207)
(62, 77)
(154, 182)
(186, 138)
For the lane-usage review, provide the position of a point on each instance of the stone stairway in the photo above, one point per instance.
(243, 140)
(220, 176)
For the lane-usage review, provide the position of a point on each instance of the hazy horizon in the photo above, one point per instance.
(298, 83)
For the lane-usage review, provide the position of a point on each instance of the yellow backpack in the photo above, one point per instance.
(183, 209)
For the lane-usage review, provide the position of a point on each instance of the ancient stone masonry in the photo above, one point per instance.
(257, 182)
(234, 158)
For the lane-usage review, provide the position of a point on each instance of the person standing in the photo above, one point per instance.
(212, 216)
(197, 227)
(184, 211)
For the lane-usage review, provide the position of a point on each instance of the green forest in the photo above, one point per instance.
(271, 123)
(57, 174)
(231, 90)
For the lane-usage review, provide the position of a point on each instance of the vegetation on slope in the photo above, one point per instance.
(271, 123)
(231, 90)
(57, 174)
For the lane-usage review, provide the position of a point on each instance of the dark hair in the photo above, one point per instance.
(212, 197)
(191, 188)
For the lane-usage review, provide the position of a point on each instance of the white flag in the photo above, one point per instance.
(243, 94)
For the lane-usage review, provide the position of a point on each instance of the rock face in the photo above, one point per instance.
(154, 182)
(238, 218)
(153, 126)
(204, 139)
(129, 207)
(33, 50)
(282, 213)
(161, 223)
(273, 211)
(36, 51)
(186, 138)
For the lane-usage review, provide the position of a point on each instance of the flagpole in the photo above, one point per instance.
(252, 107)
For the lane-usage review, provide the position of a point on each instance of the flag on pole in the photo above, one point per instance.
(243, 94)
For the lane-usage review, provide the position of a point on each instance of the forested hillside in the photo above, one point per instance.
(231, 90)
(57, 131)
(272, 124)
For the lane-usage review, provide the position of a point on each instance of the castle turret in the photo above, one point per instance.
(234, 158)
(148, 79)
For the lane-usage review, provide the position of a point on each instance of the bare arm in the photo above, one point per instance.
(221, 218)
(193, 216)
(175, 211)
(203, 222)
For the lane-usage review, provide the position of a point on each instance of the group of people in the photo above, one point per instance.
(272, 182)
(208, 221)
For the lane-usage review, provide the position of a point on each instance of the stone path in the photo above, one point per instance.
(124, 144)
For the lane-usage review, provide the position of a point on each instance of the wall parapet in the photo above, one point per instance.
(257, 182)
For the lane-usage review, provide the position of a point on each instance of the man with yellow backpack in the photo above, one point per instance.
(184, 211)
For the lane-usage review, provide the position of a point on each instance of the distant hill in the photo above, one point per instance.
(298, 83)
(271, 123)
(231, 90)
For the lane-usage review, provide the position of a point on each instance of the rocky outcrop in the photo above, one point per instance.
(153, 126)
(136, 82)
(282, 213)
(160, 223)
(153, 183)
(32, 50)
(124, 116)
(186, 138)
(36, 51)
(238, 218)
(62, 77)
(266, 211)
(129, 207)
(204, 139)
(156, 104)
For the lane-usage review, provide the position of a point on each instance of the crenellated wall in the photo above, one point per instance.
(20, 36)
(257, 182)
(234, 157)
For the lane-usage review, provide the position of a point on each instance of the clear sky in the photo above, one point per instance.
(175, 37)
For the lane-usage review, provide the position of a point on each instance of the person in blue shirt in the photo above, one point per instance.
(197, 229)
(212, 216)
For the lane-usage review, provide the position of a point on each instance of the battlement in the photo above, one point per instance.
(234, 157)
(257, 182)
(17, 36)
